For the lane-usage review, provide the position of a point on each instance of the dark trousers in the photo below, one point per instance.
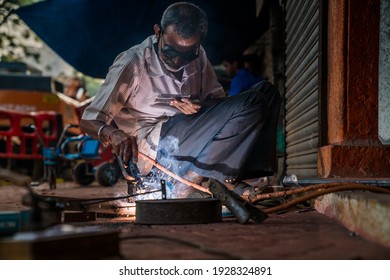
(232, 138)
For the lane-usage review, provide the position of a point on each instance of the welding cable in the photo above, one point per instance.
(208, 250)
(285, 193)
(83, 204)
(319, 192)
(108, 199)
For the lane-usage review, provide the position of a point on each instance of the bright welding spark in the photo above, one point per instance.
(151, 183)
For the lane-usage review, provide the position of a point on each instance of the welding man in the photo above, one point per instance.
(161, 98)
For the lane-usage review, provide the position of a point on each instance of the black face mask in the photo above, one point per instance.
(170, 52)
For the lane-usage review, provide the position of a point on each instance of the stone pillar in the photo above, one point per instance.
(353, 149)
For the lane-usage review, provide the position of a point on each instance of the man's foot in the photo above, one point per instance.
(181, 190)
(252, 186)
(243, 188)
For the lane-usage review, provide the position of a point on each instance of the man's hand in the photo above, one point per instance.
(124, 145)
(185, 105)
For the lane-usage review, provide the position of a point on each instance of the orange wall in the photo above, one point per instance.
(353, 149)
(353, 56)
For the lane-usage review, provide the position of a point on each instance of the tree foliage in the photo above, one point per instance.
(15, 39)
(18, 42)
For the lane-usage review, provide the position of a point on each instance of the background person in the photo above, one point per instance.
(75, 88)
(244, 71)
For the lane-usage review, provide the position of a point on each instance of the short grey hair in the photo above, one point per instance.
(187, 19)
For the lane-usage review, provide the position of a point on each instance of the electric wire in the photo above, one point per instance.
(319, 192)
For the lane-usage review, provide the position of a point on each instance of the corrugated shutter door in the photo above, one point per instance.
(302, 87)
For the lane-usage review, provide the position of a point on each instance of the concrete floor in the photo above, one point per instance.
(293, 235)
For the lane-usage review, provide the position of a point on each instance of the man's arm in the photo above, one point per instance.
(108, 102)
(123, 144)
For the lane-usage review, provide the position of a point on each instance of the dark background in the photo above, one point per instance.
(88, 34)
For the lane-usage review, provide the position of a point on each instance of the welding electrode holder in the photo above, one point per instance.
(131, 174)
(241, 209)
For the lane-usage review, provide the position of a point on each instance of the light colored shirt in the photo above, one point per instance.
(138, 88)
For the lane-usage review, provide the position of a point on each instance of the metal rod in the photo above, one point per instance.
(288, 192)
(170, 173)
(163, 189)
(322, 192)
(384, 182)
(101, 200)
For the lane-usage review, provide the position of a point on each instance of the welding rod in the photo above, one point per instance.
(173, 175)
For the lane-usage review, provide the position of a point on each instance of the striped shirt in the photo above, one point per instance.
(138, 88)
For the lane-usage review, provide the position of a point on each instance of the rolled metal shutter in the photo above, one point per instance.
(302, 87)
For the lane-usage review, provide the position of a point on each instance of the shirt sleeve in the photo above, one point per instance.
(121, 81)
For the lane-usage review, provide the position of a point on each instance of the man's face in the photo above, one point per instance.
(174, 51)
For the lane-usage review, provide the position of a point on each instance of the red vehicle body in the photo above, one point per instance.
(20, 149)
(33, 106)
